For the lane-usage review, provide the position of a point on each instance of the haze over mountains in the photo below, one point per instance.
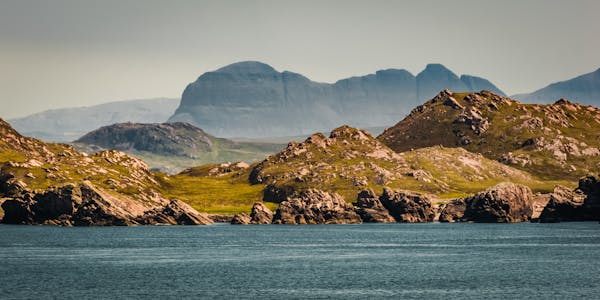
(252, 99)
(584, 89)
(68, 124)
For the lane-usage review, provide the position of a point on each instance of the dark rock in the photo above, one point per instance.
(582, 204)
(505, 202)
(564, 205)
(241, 219)
(407, 206)
(177, 213)
(370, 208)
(98, 209)
(314, 206)
(453, 211)
(216, 218)
(261, 214)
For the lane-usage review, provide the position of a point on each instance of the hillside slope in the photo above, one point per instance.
(556, 141)
(43, 183)
(172, 147)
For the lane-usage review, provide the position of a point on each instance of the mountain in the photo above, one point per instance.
(584, 89)
(44, 183)
(172, 147)
(68, 124)
(251, 99)
(559, 141)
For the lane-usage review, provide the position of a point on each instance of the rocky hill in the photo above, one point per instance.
(584, 89)
(251, 99)
(42, 183)
(554, 142)
(68, 124)
(347, 162)
(172, 147)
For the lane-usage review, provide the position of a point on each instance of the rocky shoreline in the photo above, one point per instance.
(503, 203)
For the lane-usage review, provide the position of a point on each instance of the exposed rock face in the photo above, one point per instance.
(220, 218)
(407, 206)
(370, 208)
(176, 212)
(505, 202)
(241, 219)
(581, 204)
(261, 214)
(68, 124)
(315, 207)
(87, 205)
(583, 89)
(286, 104)
(454, 211)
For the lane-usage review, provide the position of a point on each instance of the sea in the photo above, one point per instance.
(366, 261)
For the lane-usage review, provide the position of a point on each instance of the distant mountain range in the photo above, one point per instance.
(584, 89)
(68, 124)
(252, 99)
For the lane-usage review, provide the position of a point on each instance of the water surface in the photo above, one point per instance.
(420, 261)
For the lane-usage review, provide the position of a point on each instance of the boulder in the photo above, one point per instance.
(408, 206)
(241, 219)
(314, 206)
(564, 205)
(453, 211)
(505, 202)
(370, 208)
(176, 213)
(581, 204)
(261, 214)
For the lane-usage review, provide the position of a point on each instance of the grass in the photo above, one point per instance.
(226, 195)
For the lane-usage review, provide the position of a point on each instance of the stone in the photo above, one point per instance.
(503, 203)
(370, 208)
(261, 214)
(408, 206)
(314, 206)
(241, 219)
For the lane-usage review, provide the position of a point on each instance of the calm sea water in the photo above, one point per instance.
(421, 261)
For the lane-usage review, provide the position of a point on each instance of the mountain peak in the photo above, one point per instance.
(436, 68)
(247, 67)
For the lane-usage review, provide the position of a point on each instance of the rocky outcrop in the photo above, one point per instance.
(407, 206)
(240, 219)
(88, 205)
(581, 204)
(370, 208)
(535, 138)
(176, 212)
(315, 207)
(260, 214)
(505, 202)
(454, 211)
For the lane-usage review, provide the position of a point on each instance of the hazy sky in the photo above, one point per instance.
(60, 53)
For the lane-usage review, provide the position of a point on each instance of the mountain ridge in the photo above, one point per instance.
(252, 99)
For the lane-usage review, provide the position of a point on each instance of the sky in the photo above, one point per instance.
(65, 53)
